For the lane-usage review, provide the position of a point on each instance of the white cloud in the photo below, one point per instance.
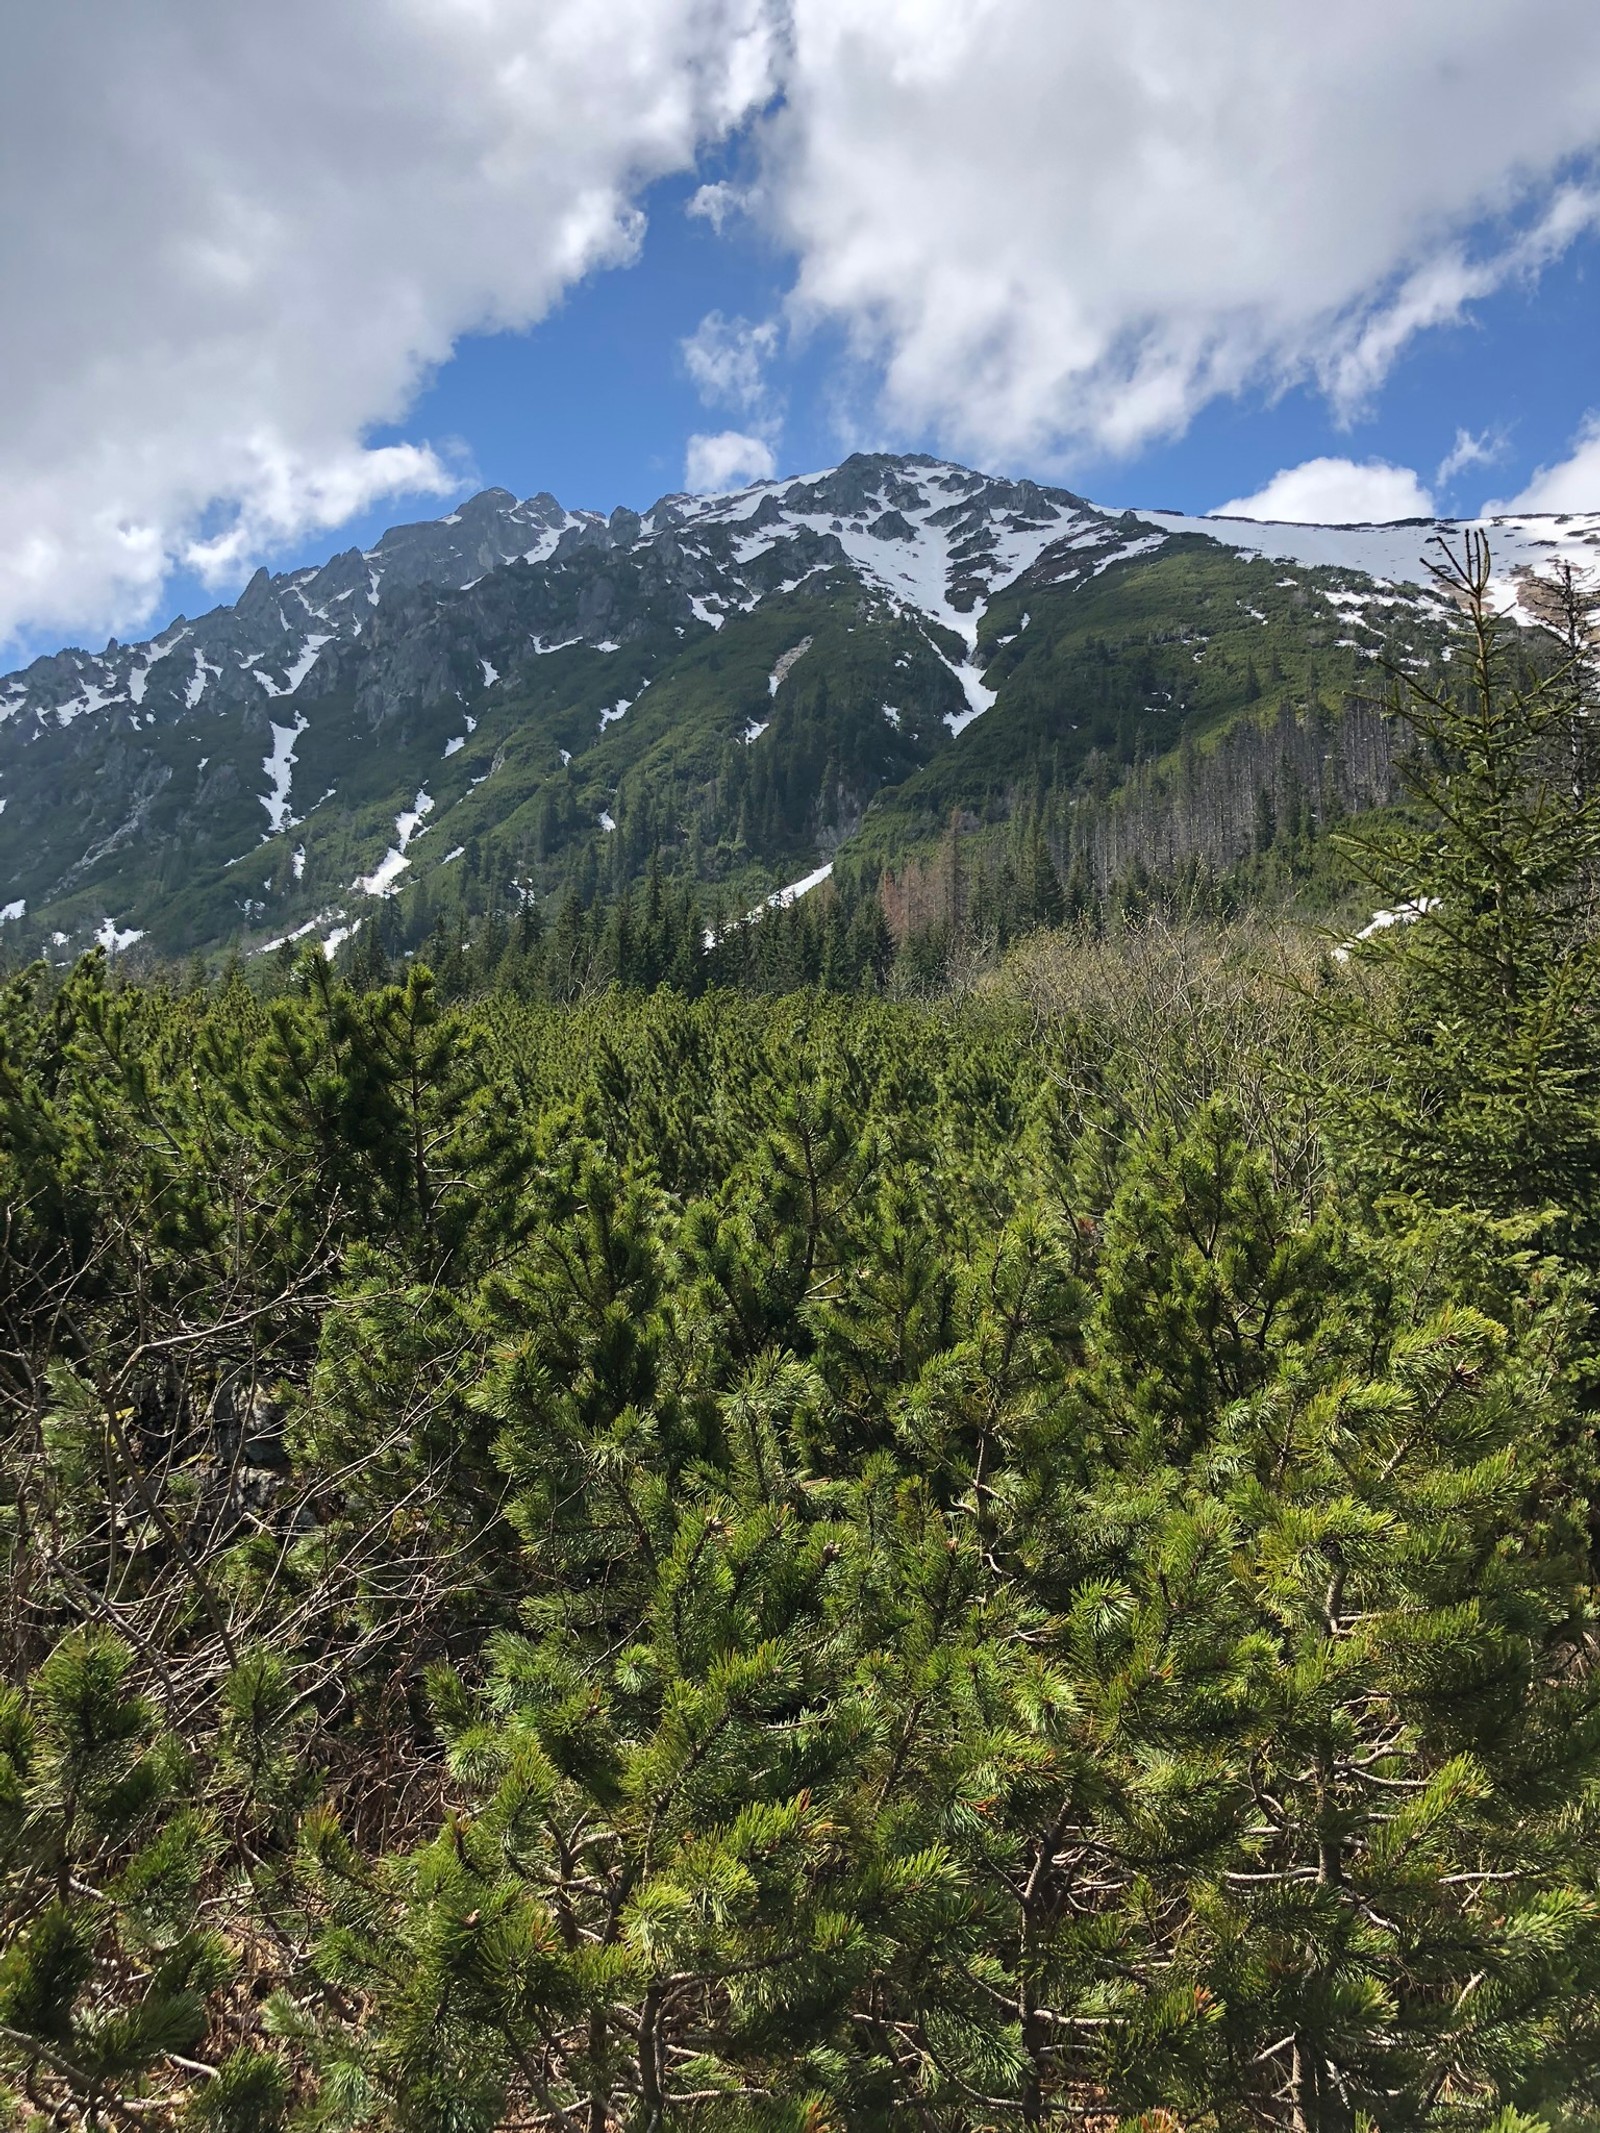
(1335, 492)
(726, 461)
(1469, 451)
(1438, 292)
(1057, 225)
(1573, 484)
(717, 204)
(236, 239)
(727, 360)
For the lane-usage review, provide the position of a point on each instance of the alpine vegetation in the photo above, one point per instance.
(727, 1545)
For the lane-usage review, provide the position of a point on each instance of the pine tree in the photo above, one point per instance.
(108, 1965)
(1286, 1775)
(1479, 1031)
(1265, 833)
(706, 1561)
(1046, 905)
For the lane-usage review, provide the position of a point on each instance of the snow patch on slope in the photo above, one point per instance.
(279, 767)
(204, 671)
(1399, 553)
(93, 699)
(979, 698)
(297, 673)
(385, 876)
(780, 899)
(155, 653)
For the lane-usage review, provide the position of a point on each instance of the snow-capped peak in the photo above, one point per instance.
(935, 537)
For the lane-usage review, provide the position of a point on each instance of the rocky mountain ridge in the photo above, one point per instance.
(479, 676)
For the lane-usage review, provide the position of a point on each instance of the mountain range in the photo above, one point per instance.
(740, 692)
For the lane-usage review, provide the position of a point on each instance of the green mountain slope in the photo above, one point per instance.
(730, 693)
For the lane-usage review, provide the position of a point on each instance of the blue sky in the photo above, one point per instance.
(258, 309)
(596, 403)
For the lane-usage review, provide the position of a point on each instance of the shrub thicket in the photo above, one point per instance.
(758, 1562)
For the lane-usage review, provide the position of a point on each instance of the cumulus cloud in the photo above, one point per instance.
(237, 239)
(1056, 225)
(726, 461)
(1335, 492)
(1440, 290)
(727, 360)
(1573, 484)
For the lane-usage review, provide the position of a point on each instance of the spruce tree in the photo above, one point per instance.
(1477, 1035)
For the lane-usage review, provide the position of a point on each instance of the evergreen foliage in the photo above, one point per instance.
(724, 1550)
(1488, 1089)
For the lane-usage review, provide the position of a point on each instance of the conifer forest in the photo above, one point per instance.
(834, 1533)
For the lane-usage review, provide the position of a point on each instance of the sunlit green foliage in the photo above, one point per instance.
(752, 1561)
